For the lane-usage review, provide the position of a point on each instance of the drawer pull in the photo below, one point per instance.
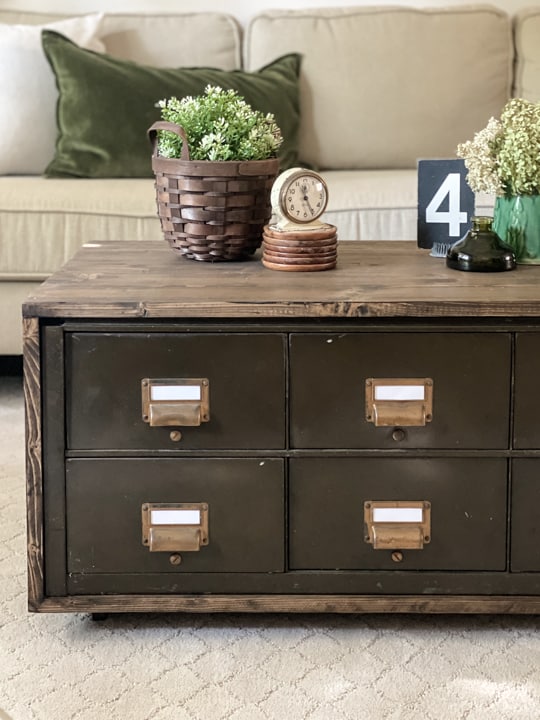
(397, 525)
(179, 402)
(399, 401)
(174, 527)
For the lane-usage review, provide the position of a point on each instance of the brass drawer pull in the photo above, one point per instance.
(397, 525)
(174, 527)
(399, 401)
(179, 402)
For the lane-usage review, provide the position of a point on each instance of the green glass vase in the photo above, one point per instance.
(516, 220)
(481, 250)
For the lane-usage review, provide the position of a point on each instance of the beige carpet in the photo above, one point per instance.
(234, 667)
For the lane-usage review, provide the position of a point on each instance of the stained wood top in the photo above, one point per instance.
(372, 279)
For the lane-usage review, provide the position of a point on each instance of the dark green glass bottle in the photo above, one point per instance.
(481, 250)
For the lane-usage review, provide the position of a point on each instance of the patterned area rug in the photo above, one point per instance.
(243, 667)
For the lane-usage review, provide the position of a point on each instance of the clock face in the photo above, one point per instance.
(303, 197)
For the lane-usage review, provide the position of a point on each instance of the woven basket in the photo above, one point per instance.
(211, 210)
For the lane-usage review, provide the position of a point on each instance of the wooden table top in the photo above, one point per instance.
(372, 279)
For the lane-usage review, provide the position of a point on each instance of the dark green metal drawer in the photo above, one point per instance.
(244, 499)
(525, 523)
(470, 380)
(527, 391)
(245, 372)
(466, 498)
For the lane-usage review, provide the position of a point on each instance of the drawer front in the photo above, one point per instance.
(245, 518)
(470, 390)
(467, 499)
(246, 396)
(527, 391)
(525, 523)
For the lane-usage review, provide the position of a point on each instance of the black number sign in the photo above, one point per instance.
(445, 202)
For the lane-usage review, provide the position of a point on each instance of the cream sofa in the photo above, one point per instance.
(379, 89)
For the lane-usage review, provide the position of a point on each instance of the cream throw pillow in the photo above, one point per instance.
(28, 92)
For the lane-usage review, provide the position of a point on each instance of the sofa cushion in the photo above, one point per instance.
(527, 41)
(379, 204)
(163, 40)
(38, 238)
(384, 86)
(28, 94)
(106, 105)
(363, 205)
(190, 39)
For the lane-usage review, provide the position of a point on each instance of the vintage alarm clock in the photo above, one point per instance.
(297, 239)
(299, 198)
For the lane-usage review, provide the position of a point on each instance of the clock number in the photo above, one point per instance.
(453, 217)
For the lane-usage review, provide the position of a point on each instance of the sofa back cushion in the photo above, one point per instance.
(527, 40)
(163, 40)
(188, 39)
(382, 87)
(28, 95)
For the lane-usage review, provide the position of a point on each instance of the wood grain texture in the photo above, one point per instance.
(472, 604)
(34, 468)
(372, 279)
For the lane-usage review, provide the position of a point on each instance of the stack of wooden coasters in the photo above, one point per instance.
(301, 250)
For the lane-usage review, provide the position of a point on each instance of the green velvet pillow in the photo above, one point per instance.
(105, 106)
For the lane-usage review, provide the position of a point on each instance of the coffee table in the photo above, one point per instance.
(224, 437)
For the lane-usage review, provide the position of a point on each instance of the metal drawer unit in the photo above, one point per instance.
(527, 391)
(464, 530)
(228, 438)
(171, 517)
(106, 400)
(349, 389)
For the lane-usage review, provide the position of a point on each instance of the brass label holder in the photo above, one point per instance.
(397, 525)
(174, 527)
(399, 401)
(179, 402)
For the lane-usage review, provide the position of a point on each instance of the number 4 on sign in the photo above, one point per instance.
(454, 217)
(445, 202)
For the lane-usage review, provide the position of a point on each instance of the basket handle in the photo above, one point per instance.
(171, 127)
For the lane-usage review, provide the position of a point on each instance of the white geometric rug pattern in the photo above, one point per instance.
(245, 667)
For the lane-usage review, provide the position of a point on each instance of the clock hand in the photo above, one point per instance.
(308, 204)
(305, 197)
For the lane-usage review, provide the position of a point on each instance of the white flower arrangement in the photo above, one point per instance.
(220, 125)
(504, 158)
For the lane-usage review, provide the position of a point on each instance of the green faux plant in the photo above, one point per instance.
(219, 125)
(504, 158)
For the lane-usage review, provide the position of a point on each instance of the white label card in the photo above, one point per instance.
(399, 392)
(175, 517)
(175, 392)
(400, 514)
